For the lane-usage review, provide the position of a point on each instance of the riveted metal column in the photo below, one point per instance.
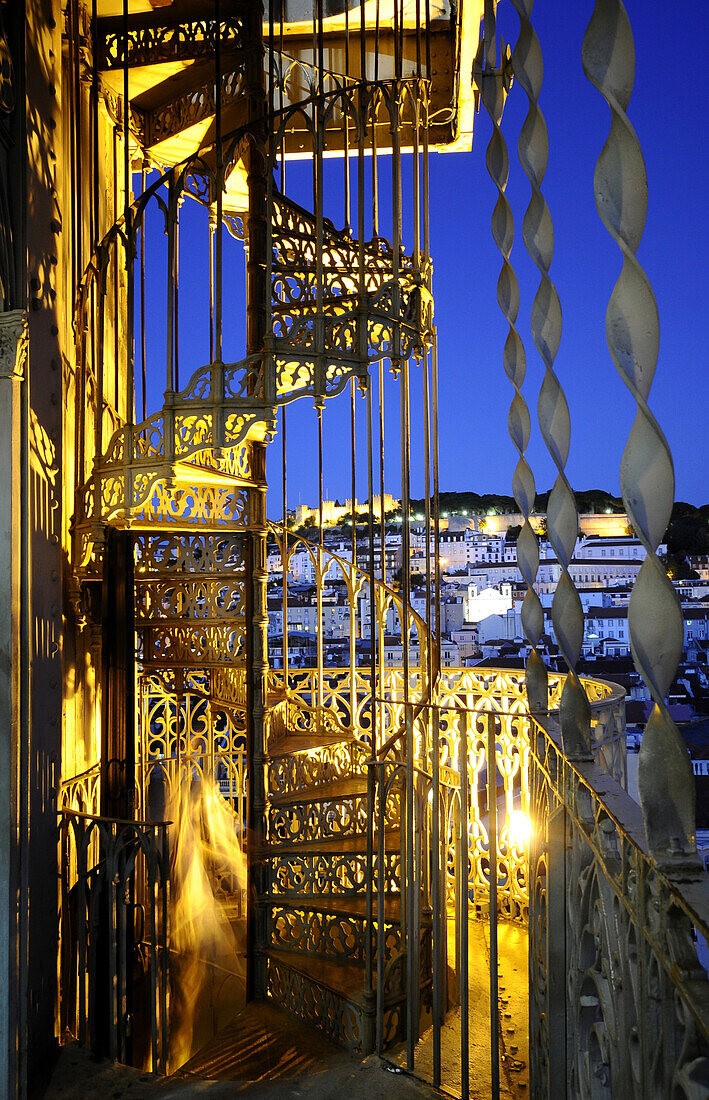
(13, 603)
(491, 732)
(256, 328)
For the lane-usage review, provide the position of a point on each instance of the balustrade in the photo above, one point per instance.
(619, 999)
(115, 878)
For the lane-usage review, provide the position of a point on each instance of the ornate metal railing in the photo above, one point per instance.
(188, 733)
(619, 1003)
(504, 690)
(114, 936)
(619, 998)
(81, 792)
(499, 690)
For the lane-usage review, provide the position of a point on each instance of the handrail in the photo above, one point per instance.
(626, 815)
(353, 569)
(645, 922)
(103, 820)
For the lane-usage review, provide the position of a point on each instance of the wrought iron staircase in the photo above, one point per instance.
(318, 908)
(369, 820)
(320, 911)
(188, 483)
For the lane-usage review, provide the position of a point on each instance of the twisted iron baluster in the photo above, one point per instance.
(553, 411)
(665, 779)
(497, 161)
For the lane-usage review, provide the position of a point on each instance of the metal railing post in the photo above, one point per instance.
(463, 908)
(492, 841)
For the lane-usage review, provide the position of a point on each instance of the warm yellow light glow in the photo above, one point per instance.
(208, 870)
(189, 474)
(520, 829)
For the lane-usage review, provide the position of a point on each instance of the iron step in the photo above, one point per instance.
(328, 995)
(306, 742)
(324, 792)
(327, 845)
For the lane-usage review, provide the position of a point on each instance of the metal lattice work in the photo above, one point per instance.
(190, 626)
(149, 41)
(554, 420)
(111, 870)
(495, 83)
(596, 888)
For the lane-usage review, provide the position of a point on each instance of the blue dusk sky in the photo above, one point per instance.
(669, 109)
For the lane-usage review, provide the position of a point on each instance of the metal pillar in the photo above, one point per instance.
(257, 616)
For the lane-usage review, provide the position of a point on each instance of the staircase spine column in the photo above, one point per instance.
(14, 580)
(256, 329)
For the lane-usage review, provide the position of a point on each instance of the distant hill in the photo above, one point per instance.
(687, 534)
(476, 504)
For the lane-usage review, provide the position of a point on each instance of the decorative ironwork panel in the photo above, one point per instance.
(295, 773)
(336, 873)
(637, 1001)
(153, 43)
(186, 733)
(114, 931)
(307, 999)
(81, 792)
(186, 110)
(343, 936)
(324, 815)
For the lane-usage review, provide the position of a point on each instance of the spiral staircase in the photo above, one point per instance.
(356, 834)
(317, 909)
(316, 904)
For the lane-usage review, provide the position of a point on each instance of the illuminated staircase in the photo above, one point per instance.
(320, 919)
(189, 483)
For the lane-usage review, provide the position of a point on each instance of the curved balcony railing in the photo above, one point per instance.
(614, 962)
(617, 945)
(499, 690)
(345, 703)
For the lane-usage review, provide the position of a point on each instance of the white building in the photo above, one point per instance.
(506, 626)
(479, 603)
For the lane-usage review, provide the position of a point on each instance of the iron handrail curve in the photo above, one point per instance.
(352, 567)
(680, 883)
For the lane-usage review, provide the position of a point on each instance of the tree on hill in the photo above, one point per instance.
(688, 531)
